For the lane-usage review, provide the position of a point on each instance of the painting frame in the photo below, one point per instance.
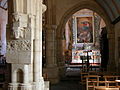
(85, 19)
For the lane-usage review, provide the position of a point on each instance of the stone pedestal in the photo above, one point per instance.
(26, 87)
(13, 86)
(38, 85)
(19, 86)
(24, 44)
(46, 83)
(52, 74)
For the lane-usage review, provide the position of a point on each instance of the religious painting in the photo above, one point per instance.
(84, 29)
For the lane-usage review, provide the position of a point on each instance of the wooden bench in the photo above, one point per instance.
(90, 81)
(106, 88)
(93, 81)
(110, 80)
(83, 79)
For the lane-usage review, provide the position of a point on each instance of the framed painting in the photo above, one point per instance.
(85, 29)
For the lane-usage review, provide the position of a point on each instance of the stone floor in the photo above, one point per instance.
(70, 82)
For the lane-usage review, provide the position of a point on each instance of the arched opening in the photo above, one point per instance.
(83, 5)
(67, 15)
(66, 23)
(19, 76)
(84, 37)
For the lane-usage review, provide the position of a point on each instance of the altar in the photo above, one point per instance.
(84, 57)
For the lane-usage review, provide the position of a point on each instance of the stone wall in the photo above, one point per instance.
(117, 47)
(3, 22)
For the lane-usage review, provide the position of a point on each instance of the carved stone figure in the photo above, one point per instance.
(18, 32)
(19, 25)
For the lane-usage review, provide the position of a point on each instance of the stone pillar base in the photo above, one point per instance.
(13, 86)
(19, 86)
(46, 85)
(26, 87)
(38, 85)
(62, 71)
(52, 74)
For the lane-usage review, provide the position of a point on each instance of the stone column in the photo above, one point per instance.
(38, 79)
(24, 43)
(111, 62)
(14, 77)
(50, 47)
(26, 74)
(26, 85)
(19, 44)
(51, 65)
(117, 48)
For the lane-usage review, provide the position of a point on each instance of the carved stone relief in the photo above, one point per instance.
(18, 45)
(20, 25)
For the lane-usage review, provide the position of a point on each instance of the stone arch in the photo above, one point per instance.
(84, 4)
(18, 75)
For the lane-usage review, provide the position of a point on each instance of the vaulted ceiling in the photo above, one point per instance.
(3, 4)
(112, 8)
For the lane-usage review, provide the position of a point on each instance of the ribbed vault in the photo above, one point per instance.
(111, 7)
(3, 4)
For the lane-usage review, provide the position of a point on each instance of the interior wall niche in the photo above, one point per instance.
(20, 76)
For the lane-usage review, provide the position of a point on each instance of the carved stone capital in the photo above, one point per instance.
(44, 8)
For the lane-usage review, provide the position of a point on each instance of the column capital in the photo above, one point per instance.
(44, 8)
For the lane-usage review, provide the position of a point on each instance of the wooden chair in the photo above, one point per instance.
(110, 80)
(83, 79)
(91, 81)
(106, 88)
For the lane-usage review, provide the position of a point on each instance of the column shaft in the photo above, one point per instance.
(14, 77)
(38, 43)
(26, 72)
(50, 48)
